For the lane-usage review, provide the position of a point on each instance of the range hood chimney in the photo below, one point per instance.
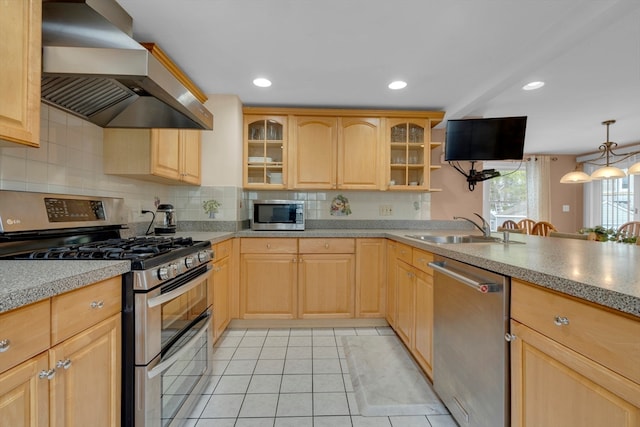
(92, 67)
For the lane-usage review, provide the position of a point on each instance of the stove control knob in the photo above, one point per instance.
(188, 261)
(204, 256)
(163, 273)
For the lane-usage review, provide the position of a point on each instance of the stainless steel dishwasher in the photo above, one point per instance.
(471, 355)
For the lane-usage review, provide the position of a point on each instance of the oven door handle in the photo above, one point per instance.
(166, 364)
(162, 298)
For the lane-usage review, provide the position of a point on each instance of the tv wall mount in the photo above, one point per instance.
(474, 176)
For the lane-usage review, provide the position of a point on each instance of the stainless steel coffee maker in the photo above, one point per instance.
(165, 221)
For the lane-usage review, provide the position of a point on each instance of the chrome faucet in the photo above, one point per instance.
(485, 228)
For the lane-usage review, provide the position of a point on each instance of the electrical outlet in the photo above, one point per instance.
(385, 210)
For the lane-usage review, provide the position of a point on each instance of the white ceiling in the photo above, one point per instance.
(465, 57)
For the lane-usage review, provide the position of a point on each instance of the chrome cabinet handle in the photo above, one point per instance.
(560, 321)
(509, 337)
(326, 246)
(47, 375)
(4, 345)
(97, 304)
(64, 364)
(268, 245)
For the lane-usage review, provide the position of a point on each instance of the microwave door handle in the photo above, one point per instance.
(161, 299)
(166, 364)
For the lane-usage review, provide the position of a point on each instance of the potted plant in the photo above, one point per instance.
(211, 207)
(602, 234)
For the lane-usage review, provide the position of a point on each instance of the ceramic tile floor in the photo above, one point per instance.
(289, 377)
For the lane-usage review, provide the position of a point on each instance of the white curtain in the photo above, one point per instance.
(539, 188)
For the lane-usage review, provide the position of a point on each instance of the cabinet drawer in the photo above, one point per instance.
(327, 246)
(267, 245)
(77, 310)
(404, 253)
(608, 338)
(421, 260)
(222, 250)
(24, 332)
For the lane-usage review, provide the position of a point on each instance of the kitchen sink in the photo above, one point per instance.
(468, 238)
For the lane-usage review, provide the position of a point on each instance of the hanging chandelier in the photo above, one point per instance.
(606, 171)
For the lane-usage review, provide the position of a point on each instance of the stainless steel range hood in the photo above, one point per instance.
(92, 67)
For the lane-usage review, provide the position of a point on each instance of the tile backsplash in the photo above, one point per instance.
(70, 161)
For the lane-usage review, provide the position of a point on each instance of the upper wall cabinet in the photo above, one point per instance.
(265, 151)
(409, 144)
(169, 156)
(338, 149)
(20, 50)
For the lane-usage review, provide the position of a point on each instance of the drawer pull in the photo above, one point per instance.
(64, 364)
(97, 304)
(47, 375)
(4, 345)
(508, 337)
(561, 321)
(326, 246)
(268, 245)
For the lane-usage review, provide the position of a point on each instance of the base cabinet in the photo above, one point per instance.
(371, 272)
(221, 285)
(573, 364)
(326, 286)
(74, 379)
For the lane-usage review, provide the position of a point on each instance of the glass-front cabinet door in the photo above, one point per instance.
(409, 142)
(265, 140)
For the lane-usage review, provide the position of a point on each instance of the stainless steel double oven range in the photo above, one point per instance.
(166, 316)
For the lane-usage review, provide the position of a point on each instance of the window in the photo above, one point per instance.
(611, 202)
(506, 195)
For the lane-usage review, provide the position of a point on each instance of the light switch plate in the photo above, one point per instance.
(565, 208)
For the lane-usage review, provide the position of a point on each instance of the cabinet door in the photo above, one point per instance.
(221, 296)
(405, 315)
(359, 153)
(20, 70)
(554, 386)
(370, 278)
(190, 156)
(423, 343)
(326, 285)
(24, 397)
(313, 152)
(265, 151)
(268, 286)
(391, 283)
(409, 148)
(165, 153)
(87, 392)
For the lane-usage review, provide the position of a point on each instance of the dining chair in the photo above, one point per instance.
(526, 224)
(509, 225)
(542, 228)
(629, 229)
(512, 230)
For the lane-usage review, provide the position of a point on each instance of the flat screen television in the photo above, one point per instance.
(499, 138)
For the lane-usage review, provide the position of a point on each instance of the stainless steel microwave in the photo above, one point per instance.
(277, 215)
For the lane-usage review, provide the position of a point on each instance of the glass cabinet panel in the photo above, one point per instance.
(407, 154)
(265, 140)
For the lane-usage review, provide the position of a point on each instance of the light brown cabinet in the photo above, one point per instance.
(413, 321)
(170, 156)
(335, 153)
(268, 278)
(288, 278)
(75, 374)
(220, 281)
(326, 278)
(265, 151)
(335, 148)
(21, 23)
(409, 146)
(572, 363)
(371, 274)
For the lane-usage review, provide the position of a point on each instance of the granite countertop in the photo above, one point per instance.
(23, 282)
(604, 273)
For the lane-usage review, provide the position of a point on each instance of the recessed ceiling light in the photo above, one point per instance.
(533, 85)
(398, 84)
(262, 82)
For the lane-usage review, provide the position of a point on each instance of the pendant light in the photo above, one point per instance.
(608, 171)
(575, 177)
